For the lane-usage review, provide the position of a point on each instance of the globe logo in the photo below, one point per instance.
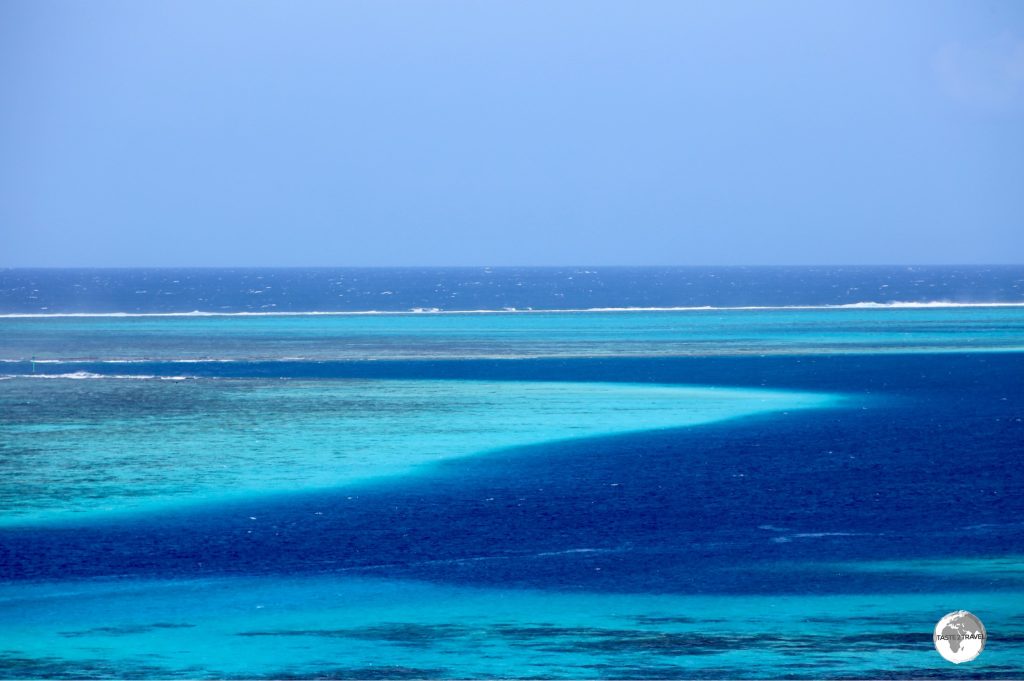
(959, 637)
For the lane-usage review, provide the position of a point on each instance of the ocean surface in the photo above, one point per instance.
(510, 472)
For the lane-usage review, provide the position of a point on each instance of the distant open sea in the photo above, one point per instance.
(510, 472)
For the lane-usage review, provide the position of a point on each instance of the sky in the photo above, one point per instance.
(510, 132)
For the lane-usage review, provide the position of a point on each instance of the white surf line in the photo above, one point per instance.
(937, 304)
(80, 375)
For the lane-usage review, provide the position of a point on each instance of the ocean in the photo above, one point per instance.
(564, 473)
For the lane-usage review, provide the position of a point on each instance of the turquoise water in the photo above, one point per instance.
(513, 335)
(382, 628)
(87, 446)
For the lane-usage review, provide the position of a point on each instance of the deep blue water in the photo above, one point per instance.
(929, 472)
(463, 288)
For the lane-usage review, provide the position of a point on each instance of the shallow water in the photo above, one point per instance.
(380, 628)
(82, 447)
(185, 340)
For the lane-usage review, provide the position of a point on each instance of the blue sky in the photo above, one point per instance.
(554, 132)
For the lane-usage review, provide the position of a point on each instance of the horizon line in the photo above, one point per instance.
(4, 268)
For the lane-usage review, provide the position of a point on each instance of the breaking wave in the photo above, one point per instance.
(866, 305)
(81, 375)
